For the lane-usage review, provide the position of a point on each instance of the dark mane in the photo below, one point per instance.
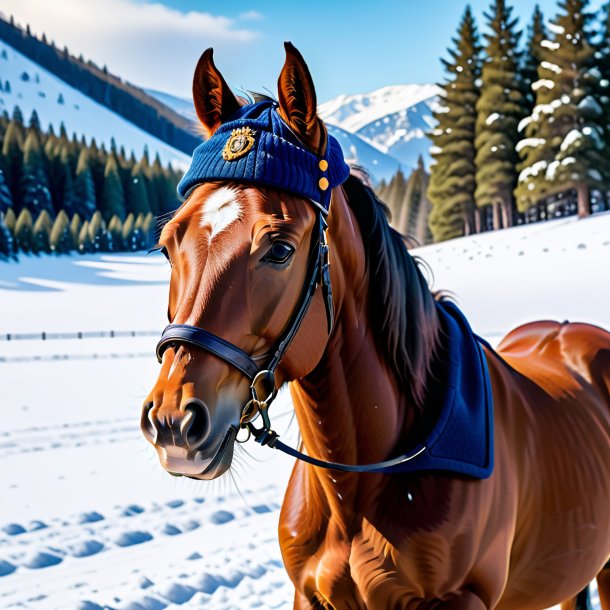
(401, 306)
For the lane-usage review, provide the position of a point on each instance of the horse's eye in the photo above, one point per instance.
(279, 253)
(163, 250)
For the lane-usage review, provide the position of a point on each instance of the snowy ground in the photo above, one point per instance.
(89, 520)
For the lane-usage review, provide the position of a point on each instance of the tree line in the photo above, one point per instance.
(61, 194)
(522, 131)
(408, 202)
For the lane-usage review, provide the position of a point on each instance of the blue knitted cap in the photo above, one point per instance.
(255, 145)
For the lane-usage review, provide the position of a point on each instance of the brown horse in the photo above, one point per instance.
(531, 535)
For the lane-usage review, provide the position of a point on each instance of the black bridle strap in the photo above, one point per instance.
(265, 436)
(312, 280)
(183, 333)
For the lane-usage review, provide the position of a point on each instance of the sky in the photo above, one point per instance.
(350, 46)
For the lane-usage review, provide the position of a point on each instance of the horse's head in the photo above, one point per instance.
(244, 247)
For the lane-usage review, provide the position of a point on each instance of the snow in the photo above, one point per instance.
(573, 138)
(532, 170)
(548, 44)
(543, 82)
(529, 143)
(89, 519)
(551, 66)
(395, 119)
(79, 113)
(353, 112)
(556, 29)
(492, 118)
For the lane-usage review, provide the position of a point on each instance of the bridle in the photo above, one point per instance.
(263, 388)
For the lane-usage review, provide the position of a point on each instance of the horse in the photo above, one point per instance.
(265, 230)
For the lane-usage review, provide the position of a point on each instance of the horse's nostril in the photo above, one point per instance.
(146, 423)
(198, 424)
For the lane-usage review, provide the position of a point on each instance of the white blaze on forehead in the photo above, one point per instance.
(220, 210)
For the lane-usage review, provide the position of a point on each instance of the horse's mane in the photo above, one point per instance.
(401, 306)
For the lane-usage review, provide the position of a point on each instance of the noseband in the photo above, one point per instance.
(262, 380)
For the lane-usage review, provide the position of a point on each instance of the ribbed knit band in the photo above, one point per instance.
(276, 158)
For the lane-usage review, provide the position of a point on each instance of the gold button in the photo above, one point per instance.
(323, 184)
(324, 165)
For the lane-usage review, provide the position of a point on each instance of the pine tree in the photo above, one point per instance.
(61, 237)
(395, 194)
(452, 180)
(499, 111)
(115, 229)
(97, 229)
(35, 121)
(7, 242)
(566, 139)
(84, 188)
(35, 193)
(12, 160)
(85, 244)
(24, 231)
(10, 220)
(113, 198)
(75, 227)
(42, 233)
(532, 57)
(6, 200)
(137, 195)
(416, 206)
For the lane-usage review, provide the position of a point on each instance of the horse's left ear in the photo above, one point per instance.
(298, 104)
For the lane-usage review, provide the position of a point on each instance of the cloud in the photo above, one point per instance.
(251, 16)
(149, 44)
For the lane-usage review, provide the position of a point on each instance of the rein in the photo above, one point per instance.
(262, 381)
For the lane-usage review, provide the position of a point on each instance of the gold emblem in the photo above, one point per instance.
(239, 143)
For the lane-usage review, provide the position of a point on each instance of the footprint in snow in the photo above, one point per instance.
(133, 537)
(177, 593)
(6, 568)
(41, 559)
(221, 516)
(87, 605)
(13, 529)
(90, 517)
(175, 503)
(86, 548)
(131, 510)
(170, 530)
(261, 509)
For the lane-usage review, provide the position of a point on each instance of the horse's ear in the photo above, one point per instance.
(214, 100)
(298, 105)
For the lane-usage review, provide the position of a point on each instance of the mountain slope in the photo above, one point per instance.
(394, 119)
(32, 88)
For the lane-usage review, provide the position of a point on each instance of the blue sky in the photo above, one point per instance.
(350, 47)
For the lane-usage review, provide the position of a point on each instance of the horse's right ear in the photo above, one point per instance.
(214, 100)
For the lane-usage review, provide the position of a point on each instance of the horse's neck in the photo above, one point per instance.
(351, 408)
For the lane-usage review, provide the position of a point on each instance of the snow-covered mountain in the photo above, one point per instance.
(25, 84)
(394, 119)
(357, 150)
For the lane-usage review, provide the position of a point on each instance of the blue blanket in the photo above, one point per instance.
(461, 441)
